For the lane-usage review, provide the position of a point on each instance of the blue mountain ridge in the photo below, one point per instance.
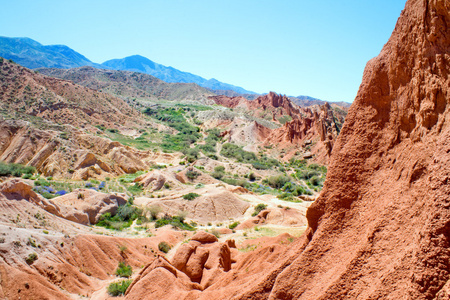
(31, 54)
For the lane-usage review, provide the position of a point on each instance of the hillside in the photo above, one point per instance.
(132, 86)
(27, 93)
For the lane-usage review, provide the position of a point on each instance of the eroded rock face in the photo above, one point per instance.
(196, 265)
(318, 124)
(85, 209)
(380, 227)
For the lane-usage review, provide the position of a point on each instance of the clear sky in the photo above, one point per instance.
(293, 47)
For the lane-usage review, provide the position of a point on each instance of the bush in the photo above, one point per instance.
(192, 174)
(219, 169)
(315, 181)
(190, 196)
(176, 222)
(252, 176)
(259, 208)
(41, 182)
(237, 182)
(164, 247)
(124, 270)
(124, 217)
(192, 154)
(234, 225)
(31, 258)
(16, 170)
(154, 211)
(119, 288)
(277, 182)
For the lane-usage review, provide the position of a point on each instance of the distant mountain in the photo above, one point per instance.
(142, 64)
(31, 54)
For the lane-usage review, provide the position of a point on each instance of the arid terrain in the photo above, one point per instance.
(117, 185)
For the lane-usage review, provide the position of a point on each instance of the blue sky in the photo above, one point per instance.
(293, 47)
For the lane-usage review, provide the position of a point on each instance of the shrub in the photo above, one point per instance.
(124, 270)
(259, 208)
(277, 182)
(315, 180)
(154, 211)
(128, 212)
(234, 225)
(31, 258)
(191, 154)
(119, 288)
(176, 222)
(190, 196)
(41, 182)
(216, 233)
(192, 174)
(164, 247)
(16, 170)
(237, 182)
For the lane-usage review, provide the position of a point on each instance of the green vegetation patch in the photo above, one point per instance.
(259, 208)
(124, 217)
(119, 288)
(16, 170)
(164, 247)
(124, 270)
(175, 221)
(191, 196)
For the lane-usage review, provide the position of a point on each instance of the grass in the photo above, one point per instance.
(119, 287)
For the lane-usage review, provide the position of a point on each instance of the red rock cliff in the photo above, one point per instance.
(381, 227)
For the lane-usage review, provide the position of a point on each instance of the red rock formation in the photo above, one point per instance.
(380, 228)
(277, 105)
(320, 128)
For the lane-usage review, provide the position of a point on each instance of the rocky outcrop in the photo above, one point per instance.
(274, 104)
(81, 157)
(81, 206)
(196, 265)
(319, 124)
(319, 130)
